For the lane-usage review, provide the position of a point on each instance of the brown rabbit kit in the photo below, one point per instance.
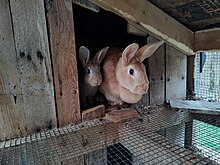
(107, 82)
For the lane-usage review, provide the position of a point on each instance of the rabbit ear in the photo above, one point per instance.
(129, 53)
(100, 55)
(147, 50)
(84, 55)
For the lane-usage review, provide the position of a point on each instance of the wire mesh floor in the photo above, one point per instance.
(100, 142)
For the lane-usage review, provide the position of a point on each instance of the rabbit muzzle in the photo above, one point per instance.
(141, 89)
(95, 82)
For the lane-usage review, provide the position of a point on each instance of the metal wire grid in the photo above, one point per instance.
(90, 142)
(207, 76)
(206, 137)
(118, 155)
(151, 148)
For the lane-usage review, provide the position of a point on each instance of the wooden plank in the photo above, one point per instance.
(62, 40)
(9, 73)
(175, 84)
(190, 76)
(35, 102)
(23, 81)
(122, 115)
(155, 21)
(93, 113)
(87, 5)
(188, 134)
(157, 75)
(175, 74)
(171, 3)
(134, 30)
(207, 40)
(201, 107)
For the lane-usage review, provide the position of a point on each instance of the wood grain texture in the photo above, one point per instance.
(188, 134)
(122, 115)
(155, 21)
(62, 40)
(190, 76)
(10, 88)
(207, 40)
(202, 107)
(157, 74)
(26, 84)
(175, 74)
(93, 113)
(33, 57)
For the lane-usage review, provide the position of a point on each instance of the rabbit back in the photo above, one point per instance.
(110, 86)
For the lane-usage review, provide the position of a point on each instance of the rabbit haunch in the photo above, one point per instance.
(124, 75)
(91, 78)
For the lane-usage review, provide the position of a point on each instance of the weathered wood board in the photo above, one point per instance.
(154, 21)
(93, 113)
(62, 40)
(175, 84)
(176, 63)
(9, 73)
(122, 115)
(202, 107)
(207, 40)
(157, 74)
(26, 82)
(190, 76)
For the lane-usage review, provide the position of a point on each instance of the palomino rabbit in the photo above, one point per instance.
(124, 74)
(91, 78)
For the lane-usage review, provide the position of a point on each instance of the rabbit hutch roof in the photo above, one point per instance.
(188, 25)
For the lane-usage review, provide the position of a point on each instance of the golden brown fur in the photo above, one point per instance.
(124, 74)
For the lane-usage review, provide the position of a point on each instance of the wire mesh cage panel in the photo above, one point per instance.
(207, 76)
(206, 140)
(148, 140)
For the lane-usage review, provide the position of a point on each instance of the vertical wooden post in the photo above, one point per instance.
(190, 76)
(176, 72)
(26, 82)
(176, 64)
(62, 41)
(157, 74)
(9, 73)
(188, 134)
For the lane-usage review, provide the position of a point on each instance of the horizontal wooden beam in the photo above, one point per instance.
(207, 40)
(155, 22)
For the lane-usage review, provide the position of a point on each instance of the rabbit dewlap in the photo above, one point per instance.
(124, 75)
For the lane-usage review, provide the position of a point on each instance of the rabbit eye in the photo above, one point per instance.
(88, 71)
(131, 72)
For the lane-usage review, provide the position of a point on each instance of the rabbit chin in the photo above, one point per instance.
(94, 84)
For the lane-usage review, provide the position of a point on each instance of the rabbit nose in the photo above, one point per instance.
(97, 82)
